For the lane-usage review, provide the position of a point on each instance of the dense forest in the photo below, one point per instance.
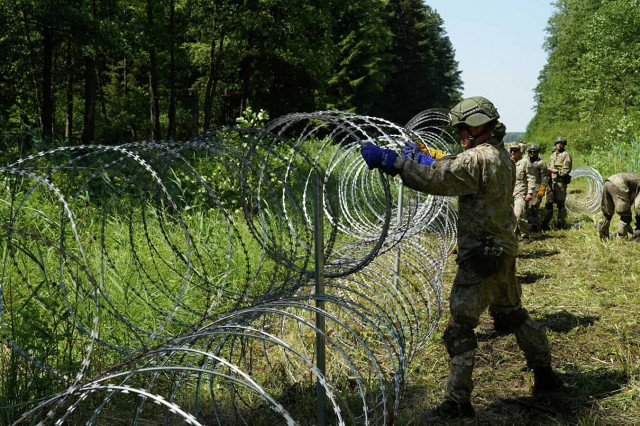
(589, 90)
(110, 71)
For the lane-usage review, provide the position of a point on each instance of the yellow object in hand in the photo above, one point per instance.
(542, 190)
(431, 152)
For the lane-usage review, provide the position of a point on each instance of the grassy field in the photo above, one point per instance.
(587, 295)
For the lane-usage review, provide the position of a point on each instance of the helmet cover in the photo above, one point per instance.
(473, 112)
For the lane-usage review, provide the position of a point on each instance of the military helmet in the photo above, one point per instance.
(533, 147)
(515, 147)
(473, 112)
(561, 139)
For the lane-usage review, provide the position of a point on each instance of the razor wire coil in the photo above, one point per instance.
(587, 197)
(179, 275)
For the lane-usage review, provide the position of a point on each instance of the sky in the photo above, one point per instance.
(498, 45)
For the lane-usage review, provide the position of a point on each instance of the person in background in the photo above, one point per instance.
(560, 171)
(541, 175)
(621, 191)
(523, 190)
(483, 178)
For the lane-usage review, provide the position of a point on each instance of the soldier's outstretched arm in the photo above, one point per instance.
(450, 175)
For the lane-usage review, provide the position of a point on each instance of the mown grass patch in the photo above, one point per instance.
(587, 295)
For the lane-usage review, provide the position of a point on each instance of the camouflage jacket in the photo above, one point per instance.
(561, 163)
(483, 179)
(627, 183)
(525, 180)
(540, 172)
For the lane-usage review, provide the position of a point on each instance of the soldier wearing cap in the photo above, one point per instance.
(523, 191)
(560, 170)
(541, 175)
(621, 191)
(483, 179)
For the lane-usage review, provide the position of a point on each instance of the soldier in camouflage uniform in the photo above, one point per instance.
(621, 191)
(525, 186)
(541, 175)
(560, 170)
(483, 178)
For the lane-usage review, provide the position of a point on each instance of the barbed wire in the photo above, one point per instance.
(166, 281)
(585, 193)
(174, 281)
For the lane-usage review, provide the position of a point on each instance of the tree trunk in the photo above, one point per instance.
(208, 96)
(171, 128)
(153, 80)
(103, 103)
(89, 128)
(68, 127)
(125, 77)
(47, 77)
(195, 111)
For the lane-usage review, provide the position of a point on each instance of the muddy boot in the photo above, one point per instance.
(450, 410)
(546, 380)
(624, 226)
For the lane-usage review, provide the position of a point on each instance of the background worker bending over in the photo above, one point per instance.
(621, 191)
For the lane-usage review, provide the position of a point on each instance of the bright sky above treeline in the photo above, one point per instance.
(498, 45)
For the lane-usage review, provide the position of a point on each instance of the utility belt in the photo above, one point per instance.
(566, 179)
(486, 260)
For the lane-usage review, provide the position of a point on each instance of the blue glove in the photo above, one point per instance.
(412, 151)
(379, 158)
(424, 159)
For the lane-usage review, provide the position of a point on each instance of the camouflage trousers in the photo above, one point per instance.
(556, 194)
(534, 213)
(520, 210)
(471, 294)
(616, 201)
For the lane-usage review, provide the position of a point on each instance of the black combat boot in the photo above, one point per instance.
(546, 380)
(450, 410)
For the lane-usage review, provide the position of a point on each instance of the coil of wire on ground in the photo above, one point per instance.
(586, 190)
(168, 288)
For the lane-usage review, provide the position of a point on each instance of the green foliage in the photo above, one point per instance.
(425, 73)
(589, 90)
(249, 118)
(615, 158)
(513, 137)
(214, 59)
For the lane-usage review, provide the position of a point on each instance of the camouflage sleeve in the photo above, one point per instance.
(566, 165)
(450, 175)
(531, 178)
(546, 177)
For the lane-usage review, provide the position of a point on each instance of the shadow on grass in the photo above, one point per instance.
(538, 254)
(563, 321)
(543, 237)
(575, 403)
(529, 278)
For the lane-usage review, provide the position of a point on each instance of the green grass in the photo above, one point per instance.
(586, 293)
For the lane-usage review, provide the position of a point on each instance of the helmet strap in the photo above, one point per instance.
(477, 140)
